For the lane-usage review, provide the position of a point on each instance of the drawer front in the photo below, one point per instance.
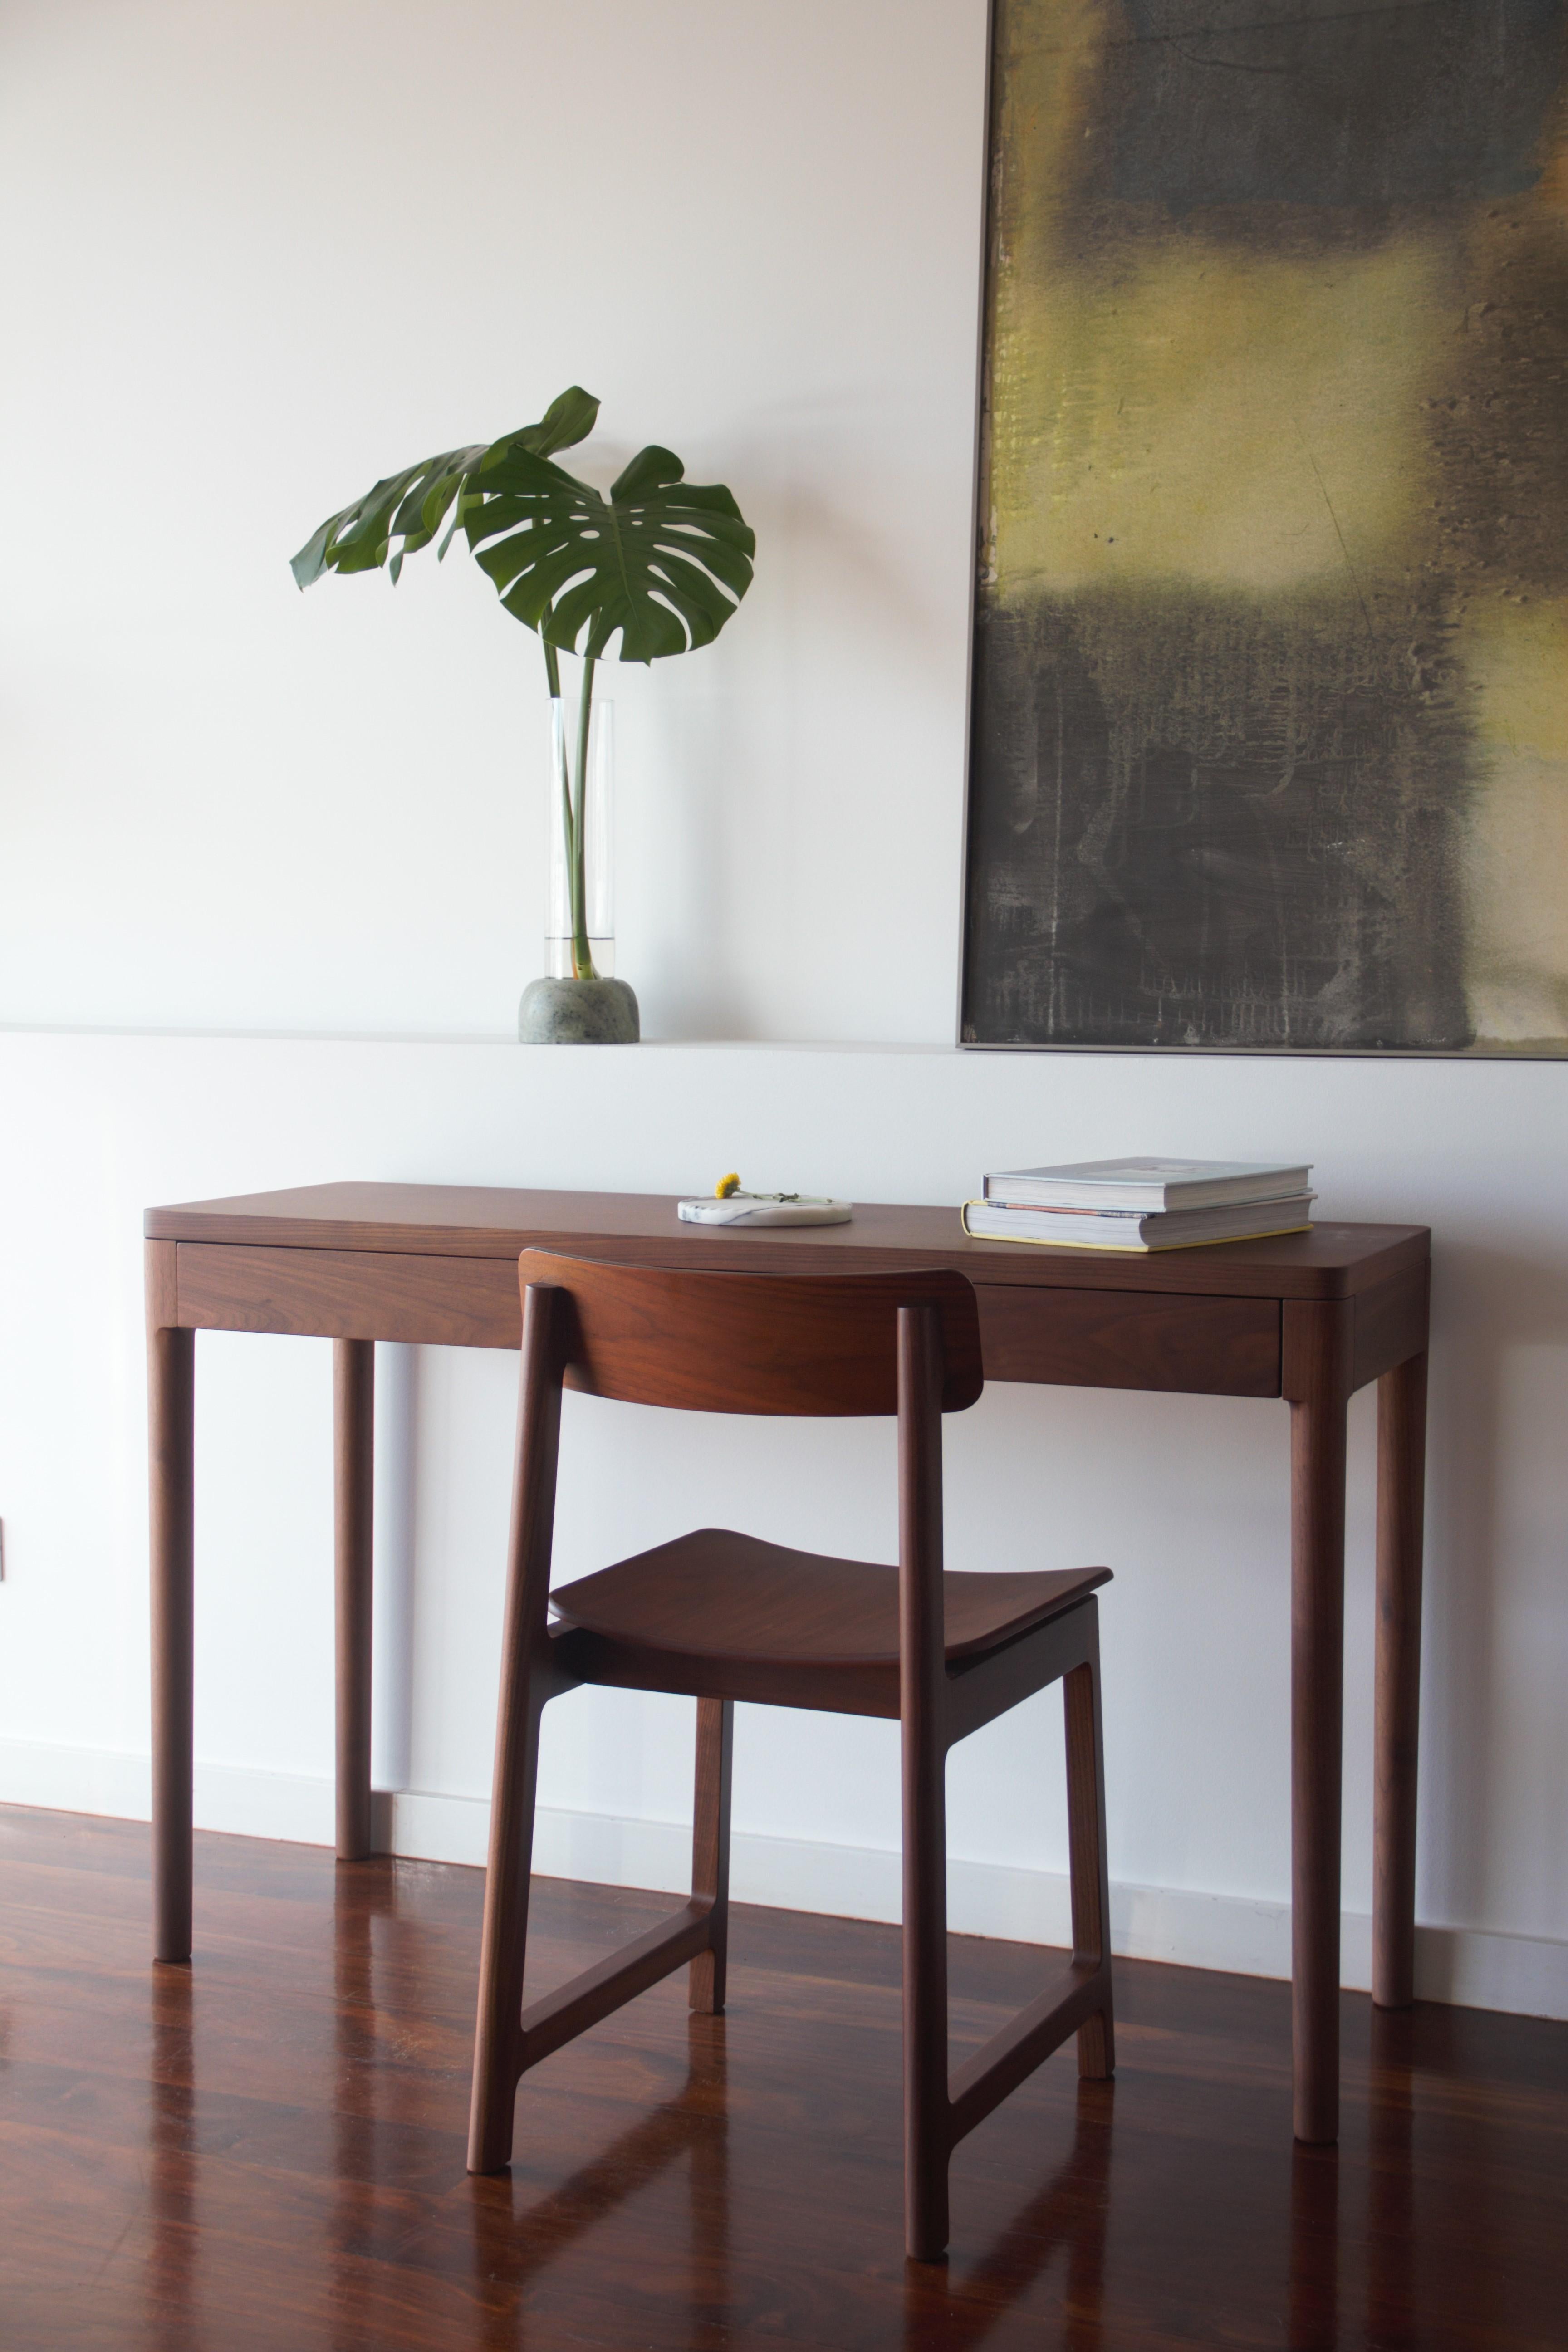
(1130, 1340)
(1115, 1339)
(454, 1302)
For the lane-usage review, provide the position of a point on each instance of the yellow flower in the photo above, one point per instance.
(725, 1186)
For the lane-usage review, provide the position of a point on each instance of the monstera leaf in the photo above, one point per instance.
(412, 506)
(663, 561)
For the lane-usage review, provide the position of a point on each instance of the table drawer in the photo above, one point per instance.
(1130, 1340)
(454, 1302)
(1105, 1340)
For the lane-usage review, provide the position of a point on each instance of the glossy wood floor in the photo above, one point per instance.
(268, 2151)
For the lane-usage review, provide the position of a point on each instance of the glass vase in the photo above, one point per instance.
(580, 921)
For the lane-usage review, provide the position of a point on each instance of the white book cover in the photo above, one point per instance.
(1148, 1182)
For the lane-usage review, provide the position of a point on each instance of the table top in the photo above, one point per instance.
(469, 1220)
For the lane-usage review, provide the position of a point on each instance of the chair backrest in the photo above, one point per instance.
(764, 1343)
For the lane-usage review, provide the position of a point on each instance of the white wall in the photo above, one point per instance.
(259, 254)
(255, 256)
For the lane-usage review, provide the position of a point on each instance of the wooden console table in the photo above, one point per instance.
(1307, 1317)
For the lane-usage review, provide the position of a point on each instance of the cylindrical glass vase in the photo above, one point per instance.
(580, 923)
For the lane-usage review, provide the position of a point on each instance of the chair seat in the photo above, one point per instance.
(717, 1595)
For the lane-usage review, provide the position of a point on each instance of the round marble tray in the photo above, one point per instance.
(765, 1209)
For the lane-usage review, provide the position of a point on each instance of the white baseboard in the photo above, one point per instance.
(1473, 1967)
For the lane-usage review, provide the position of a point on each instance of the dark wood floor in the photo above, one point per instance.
(266, 2150)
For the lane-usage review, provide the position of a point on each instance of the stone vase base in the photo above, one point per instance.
(578, 1012)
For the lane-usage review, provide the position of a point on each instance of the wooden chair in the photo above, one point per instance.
(722, 1616)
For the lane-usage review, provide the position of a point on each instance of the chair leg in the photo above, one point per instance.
(503, 1945)
(710, 1849)
(527, 1680)
(927, 2121)
(1086, 1845)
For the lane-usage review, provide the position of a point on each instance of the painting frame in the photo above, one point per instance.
(1385, 654)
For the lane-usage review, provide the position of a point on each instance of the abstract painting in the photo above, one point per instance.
(1271, 693)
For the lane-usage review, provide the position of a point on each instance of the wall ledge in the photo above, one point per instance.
(495, 1040)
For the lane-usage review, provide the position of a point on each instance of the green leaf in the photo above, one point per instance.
(411, 505)
(570, 418)
(661, 560)
(359, 537)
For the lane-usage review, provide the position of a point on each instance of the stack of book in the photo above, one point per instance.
(1140, 1204)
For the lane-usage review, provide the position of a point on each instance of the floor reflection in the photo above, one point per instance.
(1323, 2241)
(959, 2308)
(361, 2166)
(515, 2241)
(360, 1898)
(169, 2287)
(1390, 2191)
(1382, 2237)
(1313, 2321)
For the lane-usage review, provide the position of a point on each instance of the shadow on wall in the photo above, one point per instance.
(1498, 1451)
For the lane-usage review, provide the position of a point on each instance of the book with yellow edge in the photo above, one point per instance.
(1131, 1229)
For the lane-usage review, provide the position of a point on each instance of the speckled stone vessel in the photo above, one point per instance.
(578, 1012)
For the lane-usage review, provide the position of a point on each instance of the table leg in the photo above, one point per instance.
(171, 1397)
(1319, 1399)
(354, 1427)
(1401, 1485)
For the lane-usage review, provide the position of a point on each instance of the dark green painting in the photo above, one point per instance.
(1271, 706)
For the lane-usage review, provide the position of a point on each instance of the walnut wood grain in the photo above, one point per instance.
(716, 1593)
(581, 1657)
(350, 1294)
(1090, 1866)
(1391, 1324)
(987, 1686)
(1130, 1340)
(437, 1264)
(525, 1691)
(1228, 1347)
(586, 2000)
(267, 2156)
(1317, 1349)
(453, 1220)
(922, 1747)
(1069, 2004)
(354, 1507)
(707, 1342)
(171, 1406)
(713, 1778)
(726, 1616)
(1401, 1495)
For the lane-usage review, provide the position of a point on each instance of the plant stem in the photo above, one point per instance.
(577, 841)
(568, 822)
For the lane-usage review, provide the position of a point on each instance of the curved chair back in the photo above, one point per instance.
(763, 1343)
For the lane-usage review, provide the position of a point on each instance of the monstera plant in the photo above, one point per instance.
(659, 563)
